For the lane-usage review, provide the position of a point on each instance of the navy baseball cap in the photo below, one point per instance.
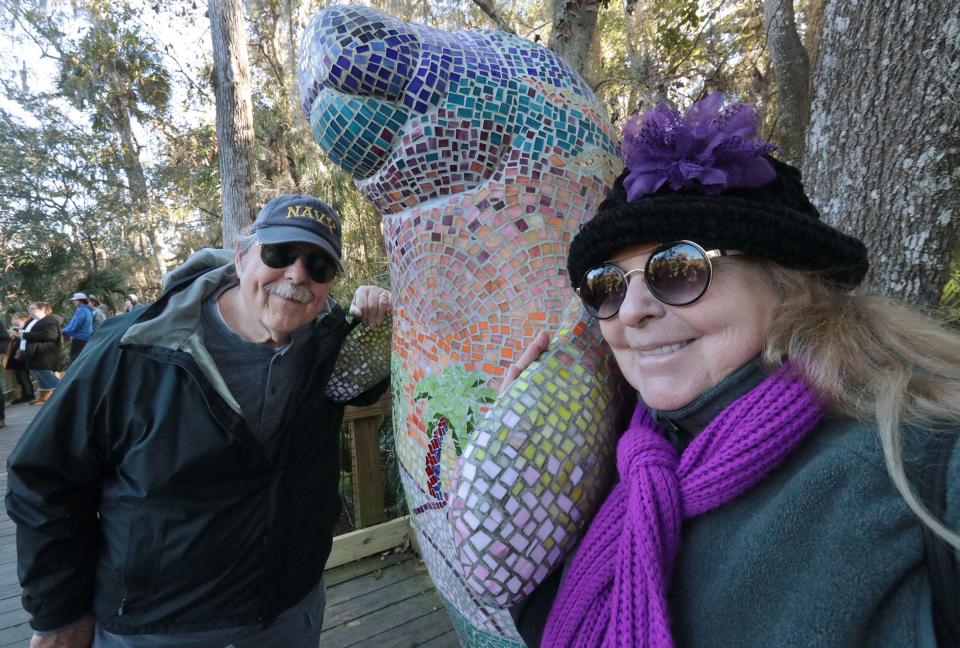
(293, 218)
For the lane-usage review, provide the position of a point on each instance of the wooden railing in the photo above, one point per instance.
(372, 532)
(9, 385)
(364, 425)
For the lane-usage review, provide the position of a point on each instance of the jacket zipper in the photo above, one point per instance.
(123, 594)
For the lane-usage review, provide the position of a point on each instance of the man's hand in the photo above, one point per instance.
(75, 635)
(531, 353)
(371, 304)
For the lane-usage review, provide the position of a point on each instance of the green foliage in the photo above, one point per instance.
(950, 299)
(112, 73)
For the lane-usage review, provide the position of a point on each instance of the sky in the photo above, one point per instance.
(182, 42)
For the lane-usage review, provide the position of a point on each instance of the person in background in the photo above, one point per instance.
(791, 467)
(197, 501)
(41, 341)
(99, 314)
(4, 343)
(80, 327)
(15, 357)
(130, 302)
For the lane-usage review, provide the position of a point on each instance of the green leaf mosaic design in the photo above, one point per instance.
(458, 396)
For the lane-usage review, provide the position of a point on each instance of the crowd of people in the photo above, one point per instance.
(32, 347)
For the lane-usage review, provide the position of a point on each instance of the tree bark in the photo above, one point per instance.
(791, 67)
(231, 83)
(574, 26)
(136, 179)
(881, 160)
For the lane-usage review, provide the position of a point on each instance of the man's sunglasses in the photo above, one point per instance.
(677, 274)
(320, 266)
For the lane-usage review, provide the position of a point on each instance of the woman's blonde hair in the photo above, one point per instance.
(871, 358)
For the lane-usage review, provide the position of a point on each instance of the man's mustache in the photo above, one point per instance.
(286, 290)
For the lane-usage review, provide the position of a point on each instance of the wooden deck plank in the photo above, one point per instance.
(370, 583)
(14, 621)
(431, 629)
(371, 624)
(343, 573)
(446, 640)
(408, 585)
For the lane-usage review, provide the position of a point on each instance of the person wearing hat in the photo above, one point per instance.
(97, 310)
(182, 485)
(130, 302)
(772, 482)
(80, 327)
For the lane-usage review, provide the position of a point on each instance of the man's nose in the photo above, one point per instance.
(297, 272)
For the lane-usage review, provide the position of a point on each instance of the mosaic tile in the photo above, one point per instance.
(483, 153)
(364, 361)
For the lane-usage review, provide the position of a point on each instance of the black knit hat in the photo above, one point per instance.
(775, 221)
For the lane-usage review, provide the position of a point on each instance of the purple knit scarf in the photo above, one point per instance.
(615, 590)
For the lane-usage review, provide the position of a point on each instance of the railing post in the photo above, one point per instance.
(364, 426)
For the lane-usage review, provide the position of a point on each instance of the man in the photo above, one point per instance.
(184, 480)
(80, 327)
(41, 341)
(99, 315)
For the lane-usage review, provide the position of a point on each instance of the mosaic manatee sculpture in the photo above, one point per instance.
(483, 153)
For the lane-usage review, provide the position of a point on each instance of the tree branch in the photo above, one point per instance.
(487, 7)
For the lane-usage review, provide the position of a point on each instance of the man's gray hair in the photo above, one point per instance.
(245, 242)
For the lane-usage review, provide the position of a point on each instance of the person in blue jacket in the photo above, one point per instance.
(80, 327)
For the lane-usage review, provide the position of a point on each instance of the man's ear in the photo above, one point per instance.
(237, 257)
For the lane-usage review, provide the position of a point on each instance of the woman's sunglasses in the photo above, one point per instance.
(677, 274)
(320, 267)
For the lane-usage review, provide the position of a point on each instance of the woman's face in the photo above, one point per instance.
(672, 354)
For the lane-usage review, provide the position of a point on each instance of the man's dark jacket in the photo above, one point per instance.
(199, 527)
(43, 344)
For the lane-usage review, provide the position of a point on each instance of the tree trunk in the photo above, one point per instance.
(136, 180)
(881, 158)
(231, 84)
(791, 68)
(574, 26)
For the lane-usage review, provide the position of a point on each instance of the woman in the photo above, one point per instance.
(42, 341)
(768, 481)
(16, 358)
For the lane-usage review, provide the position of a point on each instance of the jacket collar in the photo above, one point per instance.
(690, 420)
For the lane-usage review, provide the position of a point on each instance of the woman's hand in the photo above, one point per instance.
(531, 353)
(371, 304)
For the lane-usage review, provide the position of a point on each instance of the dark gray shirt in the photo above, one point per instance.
(260, 377)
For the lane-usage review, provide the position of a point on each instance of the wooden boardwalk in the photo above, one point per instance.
(378, 602)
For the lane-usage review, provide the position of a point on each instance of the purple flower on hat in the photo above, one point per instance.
(711, 148)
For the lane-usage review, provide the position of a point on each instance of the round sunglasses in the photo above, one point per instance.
(319, 265)
(677, 274)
